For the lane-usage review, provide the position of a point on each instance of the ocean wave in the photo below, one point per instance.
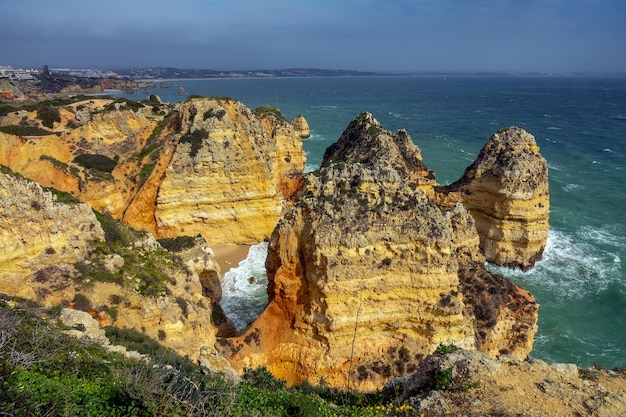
(573, 265)
(553, 128)
(244, 288)
(568, 188)
(316, 137)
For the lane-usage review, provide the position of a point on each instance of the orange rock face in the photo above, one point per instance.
(367, 274)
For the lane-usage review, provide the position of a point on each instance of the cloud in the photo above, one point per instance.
(354, 34)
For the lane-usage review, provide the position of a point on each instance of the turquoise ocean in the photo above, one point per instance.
(580, 126)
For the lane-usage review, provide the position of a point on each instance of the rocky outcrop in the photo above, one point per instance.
(363, 282)
(367, 275)
(225, 176)
(471, 383)
(503, 315)
(60, 253)
(366, 142)
(210, 167)
(38, 231)
(301, 126)
(289, 153)
(506, 190)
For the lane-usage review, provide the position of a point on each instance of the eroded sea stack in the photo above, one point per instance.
(368, 275)
(506, 190)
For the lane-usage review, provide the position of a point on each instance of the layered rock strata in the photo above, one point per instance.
(363, 282)
(301, 126)
(506, 190)
(209, 167)
(226, 173)
(366, 142)
(60, 253)
(38, 231)
(367, 274)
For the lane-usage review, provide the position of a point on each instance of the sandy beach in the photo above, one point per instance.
(229, 256)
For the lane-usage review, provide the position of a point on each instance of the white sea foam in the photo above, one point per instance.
(244, 288)
(553, 128)
(570, 187)
(573, 266)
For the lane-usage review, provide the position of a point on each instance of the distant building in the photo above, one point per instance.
(16, 74)
(84, 72)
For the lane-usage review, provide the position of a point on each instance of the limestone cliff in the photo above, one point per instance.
(225, 176)
(506, 190)
(209, 167)
(61, 253)
(301, 126)
(38, 231)
(367, 274)
(363, 282)
(503, 315)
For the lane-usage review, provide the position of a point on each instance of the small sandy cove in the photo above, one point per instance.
(229, 256)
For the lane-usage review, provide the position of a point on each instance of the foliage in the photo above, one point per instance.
(95, 161)
(443, 379)
(195, 139)
(19, 130)
(6, 109)
(145, 172)
(54, 162)
(48, 115)
(45, 372)
(444, 349)
(122, 103)
(114, 233)
(178, 244)
(268, 110)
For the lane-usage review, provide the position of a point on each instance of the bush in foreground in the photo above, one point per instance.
(44, 372)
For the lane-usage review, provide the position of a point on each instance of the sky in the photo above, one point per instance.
(366, 35)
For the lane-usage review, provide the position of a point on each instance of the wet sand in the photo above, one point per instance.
(229, 256)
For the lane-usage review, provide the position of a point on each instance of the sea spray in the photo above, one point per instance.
(244, 288)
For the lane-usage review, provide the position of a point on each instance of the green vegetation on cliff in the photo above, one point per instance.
(43, 371)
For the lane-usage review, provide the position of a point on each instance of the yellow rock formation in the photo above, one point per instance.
(44, 242)
(37, 231)
(301, 126)
(224, 179)
(363, 282)
(506, 190)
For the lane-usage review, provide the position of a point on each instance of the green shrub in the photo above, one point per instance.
(145, 172)
(95, 161)
(24, 130)
(268, 110)
(178, 244)
(443, 349)
(114, 233)
(195, 138)
(48, 115)
(443, 379)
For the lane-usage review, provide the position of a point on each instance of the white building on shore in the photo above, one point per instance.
(17, 74)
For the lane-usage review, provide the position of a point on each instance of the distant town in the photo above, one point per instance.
(19, 74)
